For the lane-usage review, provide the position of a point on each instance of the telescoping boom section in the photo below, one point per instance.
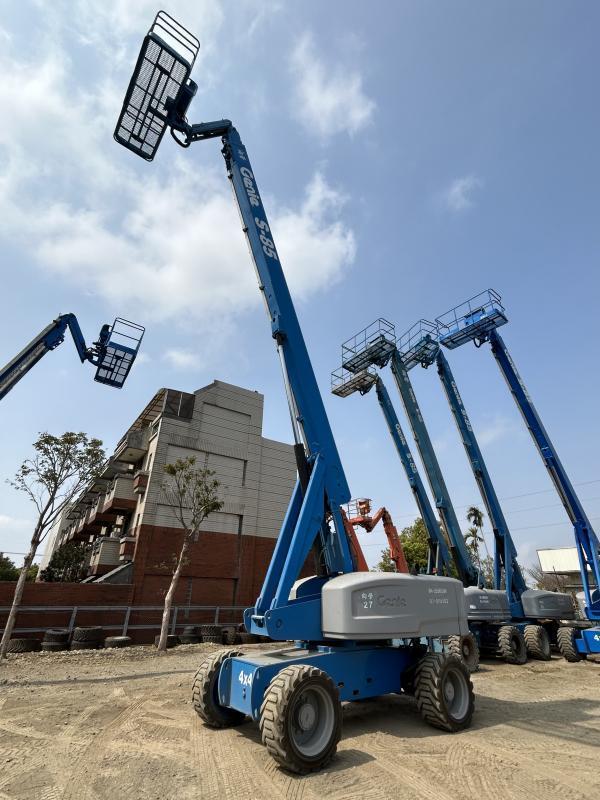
(112, 354)
(345, 383)
(478, 321)
(419, 345)
(375, 346)
(339, 617)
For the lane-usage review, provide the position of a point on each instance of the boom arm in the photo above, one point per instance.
(322, 487)
(46, 340)
(505, 551)
(466, 569)
(439, 557)
(586, 540)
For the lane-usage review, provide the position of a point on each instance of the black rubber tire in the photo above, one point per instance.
(54, 647)
(537, 642)
(212, 639)
(210, 630)
(172, 640)
(277, 717)
(511, 645)
(433, 696)
(91, 634)
(75, 645)
(466, 649)
(191, 630)
(248, 638)
(23, 646)
(565, 638)
(117, 641)
(56, 635)
(230, 635)
(204, 692)
(188, 638)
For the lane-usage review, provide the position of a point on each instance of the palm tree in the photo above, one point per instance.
(475, 516)
(474, 536)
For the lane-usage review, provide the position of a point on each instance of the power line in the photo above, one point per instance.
(16, 553)
(525, 528)
(518, 496)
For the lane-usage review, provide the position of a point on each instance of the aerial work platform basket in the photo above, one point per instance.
(372, 346)
(419, 345)
(345, 383)
(160, 77)
(472, 320)
(117, 350)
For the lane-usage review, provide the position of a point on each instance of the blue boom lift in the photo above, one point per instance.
(357, 634)
(345, 383)
(540, 610)
(112, 355)
(488, 614)
(478, 320)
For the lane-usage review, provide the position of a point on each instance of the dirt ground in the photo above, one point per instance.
(115, 725)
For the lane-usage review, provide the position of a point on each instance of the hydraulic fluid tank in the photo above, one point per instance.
(486, 605)
(389, 605)
(541, 604)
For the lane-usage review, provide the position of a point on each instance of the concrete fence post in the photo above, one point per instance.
(174, 623)
(72, 620)
(126, 621)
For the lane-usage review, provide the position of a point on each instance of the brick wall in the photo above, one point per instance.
(212, 572)
(64, 594)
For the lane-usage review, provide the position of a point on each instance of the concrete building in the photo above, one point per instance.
(133, 533)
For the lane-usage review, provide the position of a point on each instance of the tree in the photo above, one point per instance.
(550, 581)
(59, 470)
(386, 564)
(474, 535)
(487, 571)
(8, 570)
(67, 563)
(192, 494)
(415, 541)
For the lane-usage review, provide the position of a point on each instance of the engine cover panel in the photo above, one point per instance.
(540, 604)
(364, 605)
(486, 605)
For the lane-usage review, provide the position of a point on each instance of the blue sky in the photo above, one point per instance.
(409, 154)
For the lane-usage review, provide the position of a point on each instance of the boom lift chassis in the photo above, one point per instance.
(535, 612)
(477, 320)
(497, 624)
(343, 622)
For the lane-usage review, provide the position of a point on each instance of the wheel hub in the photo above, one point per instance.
(449, 691)
(307, 716)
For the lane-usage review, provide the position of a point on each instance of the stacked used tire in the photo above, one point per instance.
(55, 639)
(23, 646)
(230, 635)
(117, 641)
(172, 640)
(191, 635)
(90, 638)
(212, 634)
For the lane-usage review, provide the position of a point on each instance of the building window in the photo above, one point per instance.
(179, 404)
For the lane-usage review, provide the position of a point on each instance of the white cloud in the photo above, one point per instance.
(327, 99)
(458, 196)
(496, 429)
(182, 359)
(8, 523)
(155, 245)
